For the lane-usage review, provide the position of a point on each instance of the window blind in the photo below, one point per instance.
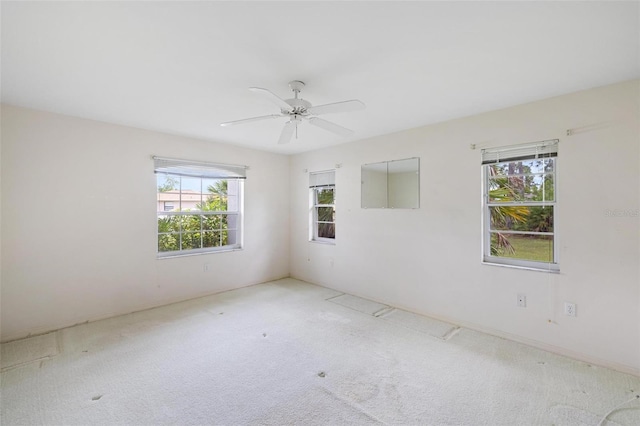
(317, 179)
(199, 169)
(529, 151)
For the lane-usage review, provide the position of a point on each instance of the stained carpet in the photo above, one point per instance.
(288, 352)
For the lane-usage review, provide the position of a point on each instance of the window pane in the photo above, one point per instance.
(521, 218)
(190, 196)
(326, 230)
(526, 247)
(522, 167)
(191, 223)
(214, 222)
(326, 214)
(168, 242)
(168, 224)
(325, 196)
(215, 194)
(191, 240)
(168, 192)
(218, 238)
(210, 239)
(167, 182)
(521, 188)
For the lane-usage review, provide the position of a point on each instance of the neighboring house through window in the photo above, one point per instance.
(322, 191)
(520, 205)
(199, 206)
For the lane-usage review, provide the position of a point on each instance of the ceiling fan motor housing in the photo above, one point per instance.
(299, 106)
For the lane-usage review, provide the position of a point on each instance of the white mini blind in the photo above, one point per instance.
(198, 169)
(529, 151)
(318, 179)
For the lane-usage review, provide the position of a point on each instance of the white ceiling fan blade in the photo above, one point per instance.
(332, 127)
(273, 98)
(344, 106)
(249, 120)
(287, 132)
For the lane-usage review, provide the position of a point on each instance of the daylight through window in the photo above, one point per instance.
(199, 206)
(322, 190)
(520, 201)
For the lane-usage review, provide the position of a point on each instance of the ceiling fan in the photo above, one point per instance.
(298, 110)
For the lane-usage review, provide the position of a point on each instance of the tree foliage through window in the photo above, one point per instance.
(207, 222)
(521, 199)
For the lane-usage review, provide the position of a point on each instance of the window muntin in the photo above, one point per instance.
(324, 213)
(206, 214)
(520, 207)
(323, 206)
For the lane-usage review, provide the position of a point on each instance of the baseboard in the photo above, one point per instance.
(37, 331)
(578, 356)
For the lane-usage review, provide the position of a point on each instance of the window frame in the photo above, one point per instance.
(314, 206)
(487, 257)
(194, 170)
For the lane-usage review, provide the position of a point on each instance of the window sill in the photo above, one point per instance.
(526, 268)
(173, 256)
(327, 243)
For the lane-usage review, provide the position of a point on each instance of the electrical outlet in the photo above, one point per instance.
(570, 309)
(522, 300)
(205, 267)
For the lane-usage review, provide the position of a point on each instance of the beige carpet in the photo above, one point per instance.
(288, 352)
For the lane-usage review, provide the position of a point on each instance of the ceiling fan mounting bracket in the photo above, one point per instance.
(296, 86)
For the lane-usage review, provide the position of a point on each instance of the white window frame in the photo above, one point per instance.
(537, 150)
(319, 181)
(202, 170)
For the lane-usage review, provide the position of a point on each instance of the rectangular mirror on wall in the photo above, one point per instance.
(391, 184)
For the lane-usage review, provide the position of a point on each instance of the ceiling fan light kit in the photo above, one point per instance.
(298, 110)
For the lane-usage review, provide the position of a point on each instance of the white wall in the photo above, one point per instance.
(428, 260)
(79, 222)
(63, 265)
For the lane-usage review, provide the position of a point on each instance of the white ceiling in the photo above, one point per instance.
(183, 68)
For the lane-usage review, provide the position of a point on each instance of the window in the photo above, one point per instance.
(520, 204)
(199, 206)
(322, 190)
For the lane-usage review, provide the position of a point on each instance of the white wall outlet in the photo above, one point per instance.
(522, 300)
(570, 309)
(205, 267)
